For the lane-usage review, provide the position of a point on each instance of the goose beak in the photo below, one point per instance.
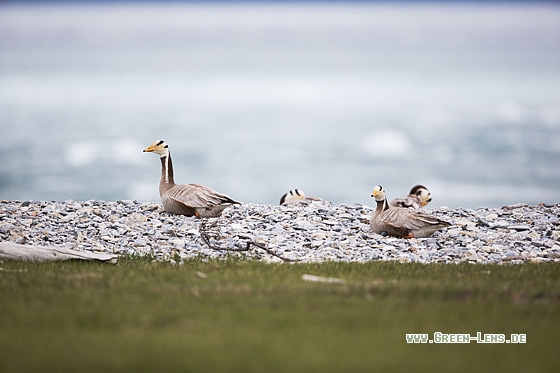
(149, 149)
(426, 201)
(375, 193)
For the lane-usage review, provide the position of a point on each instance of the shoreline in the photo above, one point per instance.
(512, 234)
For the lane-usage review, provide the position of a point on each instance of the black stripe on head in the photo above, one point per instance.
(416, 189)
(160, 142)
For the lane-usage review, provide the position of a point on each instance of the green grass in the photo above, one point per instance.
(253, 317)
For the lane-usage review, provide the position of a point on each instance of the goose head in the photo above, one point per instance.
(378, 193)
(293, 195)
(158, 147)
(423, 193)
(425, 197)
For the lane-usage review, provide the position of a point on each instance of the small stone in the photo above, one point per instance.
(519, 227)
(534, 235)
(490, 249)
(177, 242)
(318, 236)
(515, 206)
(464, 222)
(500, 224)
(201, 274)
(469, 255)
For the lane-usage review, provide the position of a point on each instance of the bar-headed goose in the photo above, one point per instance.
(295, 196)
(402, 222)
(419, 196)
(189, 199)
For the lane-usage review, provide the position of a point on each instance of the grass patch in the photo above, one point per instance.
(246, 316)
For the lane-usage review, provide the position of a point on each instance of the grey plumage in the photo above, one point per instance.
(189, 199)
(402, 222)
(195, 199)
(296, 196)
(418, 197)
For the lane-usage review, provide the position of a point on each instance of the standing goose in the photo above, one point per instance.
(402, 222)
(296, 196)
(419, 196)
(189, 199)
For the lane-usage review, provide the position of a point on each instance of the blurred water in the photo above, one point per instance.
(255, 100)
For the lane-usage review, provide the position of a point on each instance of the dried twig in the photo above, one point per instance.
(263, 247)
(207, 236)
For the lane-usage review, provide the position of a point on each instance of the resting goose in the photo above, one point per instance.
(419, 196)
(295, 196)
(189, 199)
(402, 222)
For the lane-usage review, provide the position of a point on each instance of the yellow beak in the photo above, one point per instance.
(149, 149)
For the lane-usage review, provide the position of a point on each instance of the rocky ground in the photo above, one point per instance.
(511, 234)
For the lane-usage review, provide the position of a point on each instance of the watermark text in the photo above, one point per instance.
(439, 337)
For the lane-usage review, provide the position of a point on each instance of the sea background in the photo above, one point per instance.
(257, 98)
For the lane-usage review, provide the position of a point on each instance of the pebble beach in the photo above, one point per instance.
(301, 233)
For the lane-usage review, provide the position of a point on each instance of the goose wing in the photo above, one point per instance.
(309, 201)
(394, 221)
(195, 199)
(403, 221)
(411, 201)
(196, 195)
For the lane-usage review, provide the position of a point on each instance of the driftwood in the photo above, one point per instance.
(32, 253)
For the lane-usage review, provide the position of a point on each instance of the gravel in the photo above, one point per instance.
(301, 233)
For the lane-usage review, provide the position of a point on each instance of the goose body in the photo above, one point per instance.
(295, 196)
(190, 199)
(418, 197)
(400, 221)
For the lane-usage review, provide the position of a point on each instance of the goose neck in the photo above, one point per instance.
(167, 170)
(381, 206)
